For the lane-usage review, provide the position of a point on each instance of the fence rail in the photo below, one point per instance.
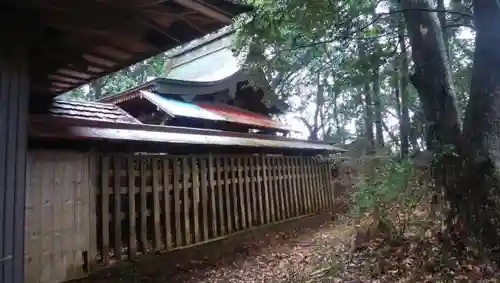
(150, 203)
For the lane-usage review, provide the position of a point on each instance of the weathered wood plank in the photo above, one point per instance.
(186, 200)
(204, 198)
(143, 228)
(234, 179)
(293, 189)
(227, 164)
(132, 218)
(320, 184)
(312, 189)
(220, 196)
(177, 201)
(241, 192)
(248, 200)
(167, 203)
(269, 189)
(260, 195)
(253, 188)
(155, 166)
(105, 210)
(303, 182)
(93, 171)
(117, 221)
(283, 187)
(275, 190)
(211, 183)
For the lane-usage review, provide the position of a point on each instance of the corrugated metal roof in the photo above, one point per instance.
(212, 112)
(90, 110)
(237, 115)
(180, 108)
(78, 129)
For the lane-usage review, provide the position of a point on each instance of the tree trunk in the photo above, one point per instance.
(96, 89)
(368, 105)
(432, 76)
(404, 122)
(479, 190)
(379, 129)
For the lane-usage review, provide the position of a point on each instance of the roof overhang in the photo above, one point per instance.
(80, 129)
(75, 42)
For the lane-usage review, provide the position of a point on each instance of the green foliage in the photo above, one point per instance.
(390, 185)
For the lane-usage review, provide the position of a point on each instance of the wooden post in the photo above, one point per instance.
(105, 210)
(14, 95)
(155, 171)
(167, 174)
(117, 213)
(132, 218)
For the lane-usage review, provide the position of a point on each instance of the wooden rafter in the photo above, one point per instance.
(205, 10)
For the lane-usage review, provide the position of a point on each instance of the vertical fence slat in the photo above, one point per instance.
(204, 197)
(105, 210)
(312, 194)
(313, 189)
(286, 188)
(234, 187)
(253, 187)
(330, 183)
(186, 201)
(324, 179)
(220, 196)
(248, 200)
(199, 170)
(296, 191)
(117, 217)
(267, 194)
(291, 185)
(166, 199)
(211, 183)
(227, 190)
(156, 203)
(260, 195)
(132, 218)
(144, 210)
(321, 184)
(276, 189)
(304, 184)
(283, 187)
(241, 193)
(177, 201)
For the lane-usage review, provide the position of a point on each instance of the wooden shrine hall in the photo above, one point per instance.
(85, 185)
(206, 86)
(52, 46)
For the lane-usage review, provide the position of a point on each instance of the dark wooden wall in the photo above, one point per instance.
(14, 94)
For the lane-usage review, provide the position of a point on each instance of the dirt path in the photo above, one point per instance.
(285, 252)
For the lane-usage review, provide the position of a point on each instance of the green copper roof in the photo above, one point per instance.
(212, 61)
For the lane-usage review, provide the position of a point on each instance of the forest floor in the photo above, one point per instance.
(311, 249)
(287, 252)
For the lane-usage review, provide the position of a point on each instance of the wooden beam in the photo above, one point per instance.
(205, 10)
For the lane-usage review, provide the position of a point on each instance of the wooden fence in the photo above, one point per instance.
(150, 203)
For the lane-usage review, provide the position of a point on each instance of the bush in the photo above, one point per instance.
(390, 193)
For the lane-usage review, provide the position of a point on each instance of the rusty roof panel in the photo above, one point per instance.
(180, 108)
(237, 115)
(90, 110)
(79, 129)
